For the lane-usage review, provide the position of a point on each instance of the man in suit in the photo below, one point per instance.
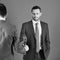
(37, 34)
(7, 36)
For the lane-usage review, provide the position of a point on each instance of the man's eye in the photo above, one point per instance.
(33, 14)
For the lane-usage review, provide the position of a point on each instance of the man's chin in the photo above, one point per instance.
(35, 19)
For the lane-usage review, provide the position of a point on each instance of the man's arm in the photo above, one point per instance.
(47, 42)
(14, 36)
(22, 32)
(21, 45)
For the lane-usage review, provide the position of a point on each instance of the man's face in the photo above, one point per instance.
(36, 14)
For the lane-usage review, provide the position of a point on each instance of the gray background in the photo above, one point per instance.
(19, 12)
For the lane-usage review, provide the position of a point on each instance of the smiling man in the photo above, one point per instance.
(37, 34)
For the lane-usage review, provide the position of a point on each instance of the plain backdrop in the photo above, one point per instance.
(19, 12)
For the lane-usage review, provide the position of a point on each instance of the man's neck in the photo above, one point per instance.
(36, 21)
(2, 19)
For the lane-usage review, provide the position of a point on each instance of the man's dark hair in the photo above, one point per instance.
(3, 10)
(35, 7)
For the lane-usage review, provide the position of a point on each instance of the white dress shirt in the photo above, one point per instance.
(40, 31)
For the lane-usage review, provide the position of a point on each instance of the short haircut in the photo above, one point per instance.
(3, 10)
(35, 7)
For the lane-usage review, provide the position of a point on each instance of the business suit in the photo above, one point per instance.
(27, 29)
(8, 38)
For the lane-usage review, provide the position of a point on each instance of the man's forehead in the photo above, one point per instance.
(36, 10)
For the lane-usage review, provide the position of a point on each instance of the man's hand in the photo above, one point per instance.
(22, 47)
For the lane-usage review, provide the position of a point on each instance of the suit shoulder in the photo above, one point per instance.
(26, 23)
(44, 23)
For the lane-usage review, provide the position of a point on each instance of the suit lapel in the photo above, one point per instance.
(31, 28)
(42, 27)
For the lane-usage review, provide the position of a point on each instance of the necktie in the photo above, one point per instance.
(37, 37)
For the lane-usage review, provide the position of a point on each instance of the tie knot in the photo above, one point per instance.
(36, 24)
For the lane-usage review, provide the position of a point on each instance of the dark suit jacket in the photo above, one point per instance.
(6, 48)
(27, 29)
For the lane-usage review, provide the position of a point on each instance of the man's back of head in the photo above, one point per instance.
(3, 10)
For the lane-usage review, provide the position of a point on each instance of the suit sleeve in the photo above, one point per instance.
(22, 32)
(47, 43)
(14, 39)
(20, 42)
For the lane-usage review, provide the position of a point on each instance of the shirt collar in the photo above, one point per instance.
(34, 22)
(1, 18)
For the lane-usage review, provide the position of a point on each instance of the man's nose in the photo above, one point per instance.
(35, 15)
